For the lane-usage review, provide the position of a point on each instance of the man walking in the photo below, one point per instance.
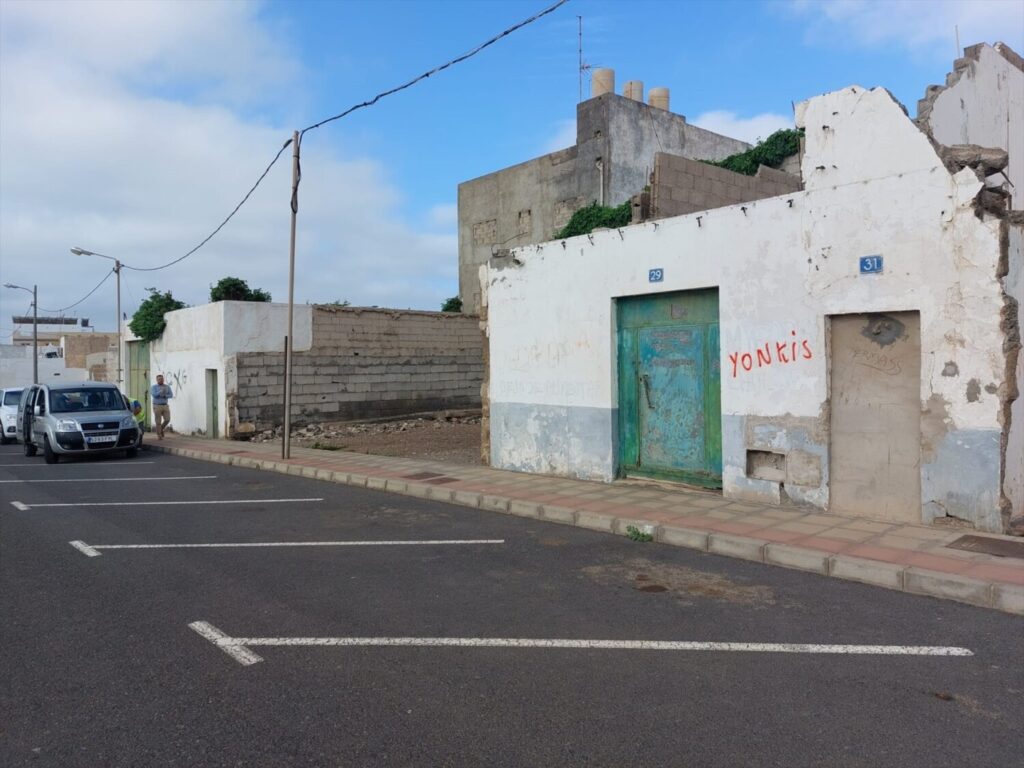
(160, 393)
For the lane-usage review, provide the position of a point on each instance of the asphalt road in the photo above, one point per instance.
(101, 668)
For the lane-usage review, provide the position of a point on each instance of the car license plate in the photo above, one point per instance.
(103, 439)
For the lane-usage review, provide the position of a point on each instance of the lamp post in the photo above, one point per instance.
(117, 271)
(35, 329)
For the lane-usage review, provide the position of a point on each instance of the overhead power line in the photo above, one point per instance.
(435, 70)
(90, 293)
(459, 59)
(220, 226)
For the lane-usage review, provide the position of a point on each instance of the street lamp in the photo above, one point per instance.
(117, 270)
(35, 329)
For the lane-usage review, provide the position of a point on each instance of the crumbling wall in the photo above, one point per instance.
(982, 103)
(874, 185)
(681, 185)
(365, 363)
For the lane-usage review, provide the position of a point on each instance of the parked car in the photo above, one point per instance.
(9, 399)
(75, 419)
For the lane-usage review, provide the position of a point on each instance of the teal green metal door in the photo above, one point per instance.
(669, 387)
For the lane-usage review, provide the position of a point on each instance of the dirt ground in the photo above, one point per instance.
(442, 437)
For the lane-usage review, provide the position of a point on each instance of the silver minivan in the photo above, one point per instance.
(74, 419)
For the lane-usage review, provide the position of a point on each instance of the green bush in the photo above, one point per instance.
(586, 220)
(148, 321)
(454, 304)
(236, 289)
(771, 152)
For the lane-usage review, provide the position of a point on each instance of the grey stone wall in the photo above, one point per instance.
(683, 186)
(366, 363)
(524, 204)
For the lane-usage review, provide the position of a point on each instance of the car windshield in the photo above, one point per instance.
(12, 396)
(92, 399)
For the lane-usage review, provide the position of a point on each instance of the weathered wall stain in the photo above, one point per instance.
(935, 423)
(973, 391)
(951, 369)
(883, 330)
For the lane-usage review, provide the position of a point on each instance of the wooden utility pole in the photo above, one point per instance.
(286, 449)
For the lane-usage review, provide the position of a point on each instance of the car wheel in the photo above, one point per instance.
(4, 440)
(131, 453)
(48, 454)
(30, 448)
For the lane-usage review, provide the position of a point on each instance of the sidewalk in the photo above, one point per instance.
(908, 558)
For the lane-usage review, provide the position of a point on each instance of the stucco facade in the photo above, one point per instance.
(206, 338)
(784, 267)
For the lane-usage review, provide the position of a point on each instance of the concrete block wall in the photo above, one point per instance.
(366, 363)
(682, 185)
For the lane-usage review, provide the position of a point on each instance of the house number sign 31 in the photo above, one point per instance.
(870, 265)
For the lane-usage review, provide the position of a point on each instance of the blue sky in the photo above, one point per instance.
(132, 129)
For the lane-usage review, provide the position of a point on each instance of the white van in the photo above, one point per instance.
(9, 399)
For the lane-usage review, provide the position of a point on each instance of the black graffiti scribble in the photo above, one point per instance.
(890, 366)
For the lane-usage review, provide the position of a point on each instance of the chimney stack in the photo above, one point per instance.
(602, 81)
(634, 90)
(658, 97)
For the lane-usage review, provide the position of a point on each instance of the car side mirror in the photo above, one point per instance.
(38, 410)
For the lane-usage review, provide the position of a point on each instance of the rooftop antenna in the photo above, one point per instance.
(582, 67)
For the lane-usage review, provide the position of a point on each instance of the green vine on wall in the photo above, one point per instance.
(586, 220)
(771, 152)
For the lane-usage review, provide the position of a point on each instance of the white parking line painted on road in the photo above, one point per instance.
(236, 646)
(243, 656)
(109, 479)
(92, 549)
(81, 546)
(90, 464)
(23, 507)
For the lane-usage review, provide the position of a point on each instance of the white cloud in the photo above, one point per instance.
(563, 136)
(749, 129)
(913, 24)
(95, 153)
(445, 216)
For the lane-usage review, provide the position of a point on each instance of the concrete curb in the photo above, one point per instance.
(999, 596)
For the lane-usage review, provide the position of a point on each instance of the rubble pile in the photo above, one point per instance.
(327, 431)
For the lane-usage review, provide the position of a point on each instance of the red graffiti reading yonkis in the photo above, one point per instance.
(778, 353)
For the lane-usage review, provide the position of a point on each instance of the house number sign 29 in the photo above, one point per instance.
(870, 265)
(655, 275)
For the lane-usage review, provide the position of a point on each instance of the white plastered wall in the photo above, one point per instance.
(1014, 281)
(16, 368)
(874, 185)
(207, 337)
